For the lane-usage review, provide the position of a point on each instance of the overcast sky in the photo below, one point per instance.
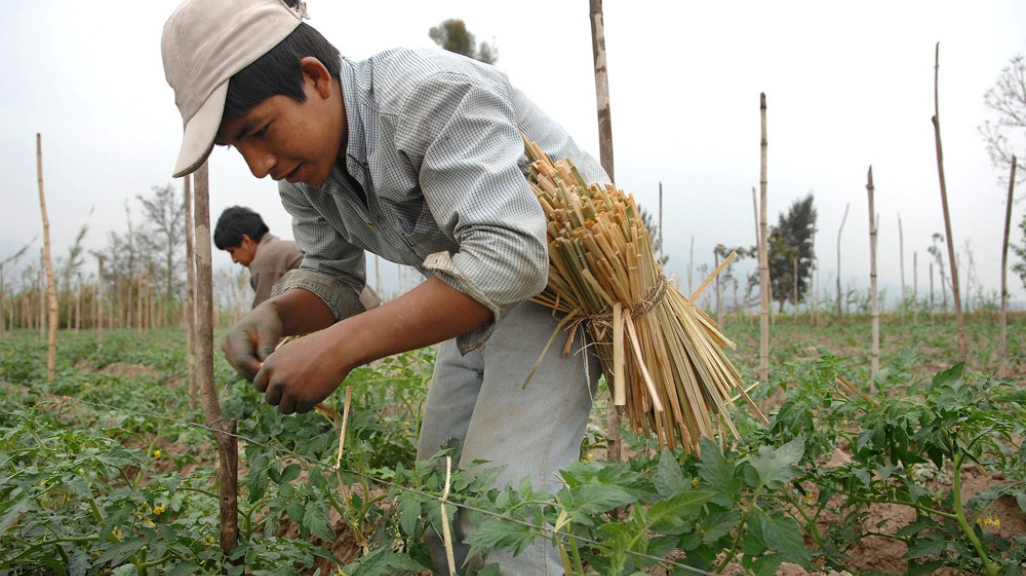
(848, 86)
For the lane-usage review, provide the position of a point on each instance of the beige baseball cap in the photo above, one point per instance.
(205, 43)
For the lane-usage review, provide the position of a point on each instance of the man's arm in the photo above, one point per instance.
(255, 337)
(303, 373)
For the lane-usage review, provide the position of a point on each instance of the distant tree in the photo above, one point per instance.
(728, 278)
(68, 269)
(1006, 134)
(938, 257)
(790, 249)
(165, 212)
(452, 35)
(1020, 251)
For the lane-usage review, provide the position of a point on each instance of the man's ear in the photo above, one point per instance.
(245, 238)
(315, 72)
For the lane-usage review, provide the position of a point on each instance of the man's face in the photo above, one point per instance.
(290, 140)
(244, 253)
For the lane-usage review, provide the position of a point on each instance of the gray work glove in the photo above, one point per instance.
(252, 340)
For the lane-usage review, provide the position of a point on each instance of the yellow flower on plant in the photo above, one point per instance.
(117, 534)
(209, 540)
(694, 481)
(986, 520)
(159, 509)
(156, 453)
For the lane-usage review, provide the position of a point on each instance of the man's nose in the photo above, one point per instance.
(259, 160)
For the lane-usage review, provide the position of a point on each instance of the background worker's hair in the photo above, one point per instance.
(277, 73)
(233, 223)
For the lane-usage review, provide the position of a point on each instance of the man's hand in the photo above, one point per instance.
(252, 340)
(301, 374)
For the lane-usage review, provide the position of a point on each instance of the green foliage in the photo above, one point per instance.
(452, 35)
(1005, 132)
(1020, 251)
(108, 473)
(791, 249)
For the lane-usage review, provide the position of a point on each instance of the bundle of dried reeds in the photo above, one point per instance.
(662, 356)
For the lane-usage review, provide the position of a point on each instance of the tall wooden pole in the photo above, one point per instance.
(605, 132)
(51, 355)
(99, 298)
(190, 289)
(874, 356)
(1003, 346)
(901, 264)
(764, 275)
(224, 435)
(3, 332)
(660, 223)
(839, 230)
(915, 287)
(959, 321)
(605, 122)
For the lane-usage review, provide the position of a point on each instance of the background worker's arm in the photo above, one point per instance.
(304, 372)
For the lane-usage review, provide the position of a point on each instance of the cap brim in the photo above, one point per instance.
(200, 132)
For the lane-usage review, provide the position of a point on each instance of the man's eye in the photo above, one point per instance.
(259, 133)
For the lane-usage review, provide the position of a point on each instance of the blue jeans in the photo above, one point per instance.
(535, 431)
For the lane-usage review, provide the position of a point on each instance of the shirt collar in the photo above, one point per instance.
(352, 96)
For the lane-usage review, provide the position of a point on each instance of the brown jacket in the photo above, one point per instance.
(274, 257)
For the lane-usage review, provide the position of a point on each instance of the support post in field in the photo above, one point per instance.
(224, 434)
(901, 264)
(605, 120)
(764, 275)
(959, 320)
(190, 290)
(99, 297)
(874, 354)
(1003, 345)
(51, 345)
(839, 230)
(605, 132)
(915, 287)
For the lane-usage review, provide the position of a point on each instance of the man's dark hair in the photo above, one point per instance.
(277, 73)
(233, 223)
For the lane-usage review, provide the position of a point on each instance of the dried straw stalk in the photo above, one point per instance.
(662, 355)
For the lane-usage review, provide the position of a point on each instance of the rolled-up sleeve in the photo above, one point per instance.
(464, 137)
(333, 269)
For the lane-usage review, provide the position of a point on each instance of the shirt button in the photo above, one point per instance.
(370, 224)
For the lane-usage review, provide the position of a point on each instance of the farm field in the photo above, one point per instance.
(110, 468)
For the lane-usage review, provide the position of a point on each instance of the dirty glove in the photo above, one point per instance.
(252, 340)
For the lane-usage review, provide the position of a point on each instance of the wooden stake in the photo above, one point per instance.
(875, 349)
(605, 122)
(839, 230)
(99, 298)
(959, 320)
(446, 533)
(901, 264)
(915, 287)
(224, 430)
(190, 290)
(619, 390)
(51, 354)
(1003, 345)
(764, 274)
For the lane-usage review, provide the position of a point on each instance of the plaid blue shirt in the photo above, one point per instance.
(435, 143)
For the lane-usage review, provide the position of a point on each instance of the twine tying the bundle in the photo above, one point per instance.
(602, 322)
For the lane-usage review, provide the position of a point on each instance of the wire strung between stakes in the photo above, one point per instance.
(543, 530)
